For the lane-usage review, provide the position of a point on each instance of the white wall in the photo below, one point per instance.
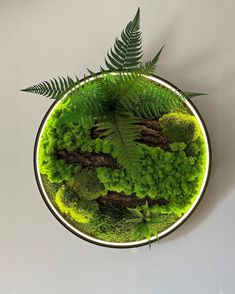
(43, 39)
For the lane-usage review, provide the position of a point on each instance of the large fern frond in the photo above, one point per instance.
(55, 88)
(127, 50)
(121, 130)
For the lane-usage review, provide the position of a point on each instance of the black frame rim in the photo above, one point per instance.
(109, 244)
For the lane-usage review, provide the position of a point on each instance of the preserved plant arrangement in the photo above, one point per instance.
(121, 157)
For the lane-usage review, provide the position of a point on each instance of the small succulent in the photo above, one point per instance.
(145, 221)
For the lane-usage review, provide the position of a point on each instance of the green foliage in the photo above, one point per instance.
(150, 66)
(86, 185)
(115, 123)
(94, 97)
(114, 103)
(174, 176)
(50, 188)
(109, 224)
(154, 101)
(180, 127)
(55, 88)
(144, 220)
(127, 50)
(124, 56)
(76, 210)
(71, 137)
(193, 148)
(84, 104)
(56, 137)
(121, 130)
(117, 103)
(120, 86)
(190, 95)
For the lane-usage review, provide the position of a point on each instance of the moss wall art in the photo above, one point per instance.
(122, 157)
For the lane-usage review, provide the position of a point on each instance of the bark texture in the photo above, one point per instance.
(130, 201)
(87, 159)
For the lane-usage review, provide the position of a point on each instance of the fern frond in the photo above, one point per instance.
(123, 85)
(55, 88)
(127, 50)
(94, 98)
(121, 130)
(151, 65)
(190, 95)
(154, 102)
(84, 104)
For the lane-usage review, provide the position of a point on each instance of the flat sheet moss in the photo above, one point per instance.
(175, 175)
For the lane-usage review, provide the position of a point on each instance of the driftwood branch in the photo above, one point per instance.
(130, 201)
(87, 159)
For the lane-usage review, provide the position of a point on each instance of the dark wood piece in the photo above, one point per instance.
(130, 201)
(87, 159)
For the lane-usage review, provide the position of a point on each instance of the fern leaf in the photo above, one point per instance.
(154, 102)
(125, 85)
(127, 50)
(150, 66)
(84, 104)
(54, 89)
(190, 95)
(122, 131)
(92, 99)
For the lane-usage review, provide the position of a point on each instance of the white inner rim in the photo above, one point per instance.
(163, 233)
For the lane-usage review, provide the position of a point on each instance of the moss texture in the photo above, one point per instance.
(175, 175)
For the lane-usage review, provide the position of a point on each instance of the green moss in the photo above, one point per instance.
(50, 188)
(72, 137)
(111, 224)
(179, 127)
(163, 222)
(79, 211)
(174, 175)
(87, 185)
